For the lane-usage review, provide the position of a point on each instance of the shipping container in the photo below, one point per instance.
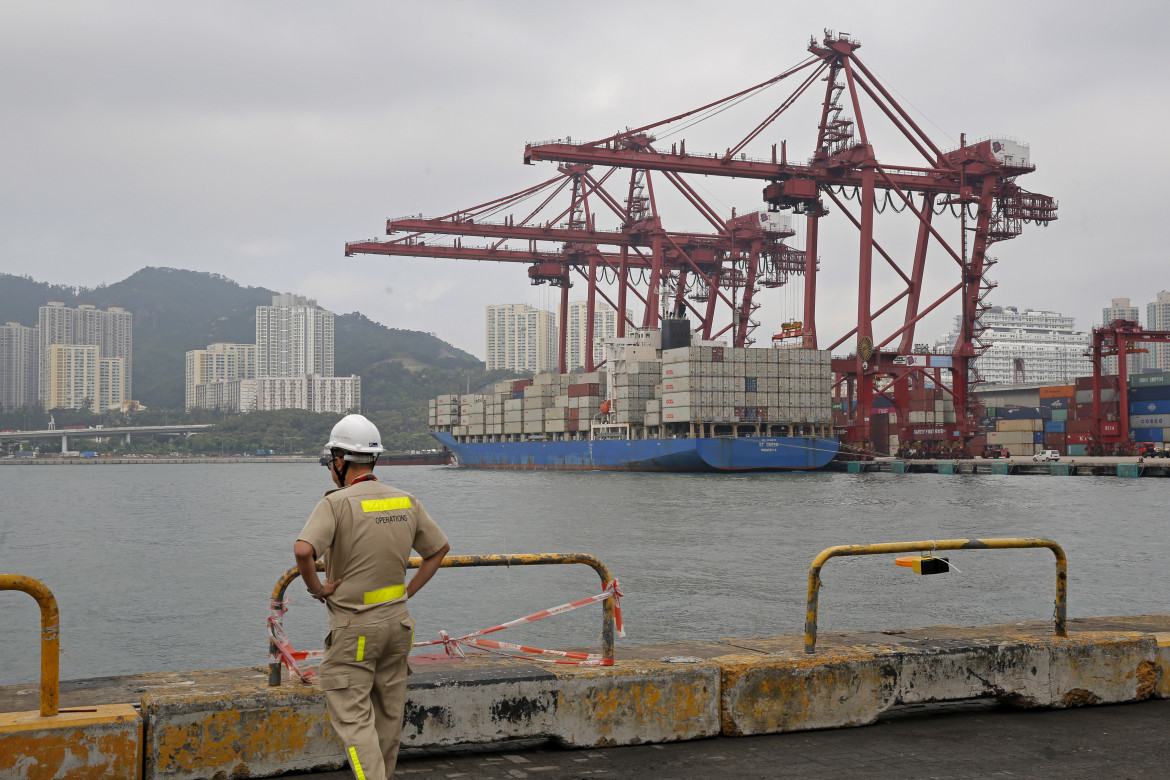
(1020, 425)
(1011, 437)
(1147, 435)
(1022, 413)
(1022, 450)
(1149, 394)
(1086, 382)
(1149, 407)
(1057, 391)
(1150, 379)
(1108, 395)
(1149, 421)
(1060, 414)
(1077, 450)
(1054, 426)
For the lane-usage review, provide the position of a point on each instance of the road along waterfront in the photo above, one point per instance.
(170, 569)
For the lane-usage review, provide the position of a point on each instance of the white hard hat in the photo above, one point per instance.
(355, 434)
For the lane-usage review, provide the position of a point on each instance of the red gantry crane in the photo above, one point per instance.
(712, 276)
(973, 185)
(1120, 338)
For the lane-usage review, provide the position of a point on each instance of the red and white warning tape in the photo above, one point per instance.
(284, 649)
(472, 641)
(289, 657)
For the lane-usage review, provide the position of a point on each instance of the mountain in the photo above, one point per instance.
(176, 311)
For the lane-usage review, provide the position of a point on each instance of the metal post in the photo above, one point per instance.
(814, 574)
(465, 561)
(50, 637)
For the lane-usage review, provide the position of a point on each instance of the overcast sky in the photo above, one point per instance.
(253, 139)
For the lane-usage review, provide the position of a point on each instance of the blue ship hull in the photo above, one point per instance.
(768, 453)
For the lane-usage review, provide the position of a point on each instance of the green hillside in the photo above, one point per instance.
(176, 311)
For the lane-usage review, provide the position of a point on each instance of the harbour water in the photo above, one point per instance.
(170, 567)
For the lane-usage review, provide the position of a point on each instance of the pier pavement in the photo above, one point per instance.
(948, 741)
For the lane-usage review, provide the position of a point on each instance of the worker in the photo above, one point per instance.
(365, 531)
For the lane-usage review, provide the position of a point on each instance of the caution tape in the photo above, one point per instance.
(284, 649)
(452, 646)
(472, 641)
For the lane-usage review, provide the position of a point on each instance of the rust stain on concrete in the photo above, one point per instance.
(72, 746)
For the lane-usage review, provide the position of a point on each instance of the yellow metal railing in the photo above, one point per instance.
(465, 561)
(814, 573)
(50, 637)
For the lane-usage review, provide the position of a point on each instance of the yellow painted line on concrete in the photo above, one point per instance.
(105, 741)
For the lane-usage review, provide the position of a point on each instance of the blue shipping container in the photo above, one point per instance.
(1055, 403)
(1149, 407)
(1038, 437)
(1022, 413)
(1147, 434)
(1149, 394)
(1054, 426)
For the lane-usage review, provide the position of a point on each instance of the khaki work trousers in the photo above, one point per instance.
(363, 675)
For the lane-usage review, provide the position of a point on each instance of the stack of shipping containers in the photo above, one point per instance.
(1061, 420)
(726, 385)
(776, 391)
(1149, 407)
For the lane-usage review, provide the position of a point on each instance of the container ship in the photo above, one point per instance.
(703, 407)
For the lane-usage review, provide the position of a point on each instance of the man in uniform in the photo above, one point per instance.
(365, 530)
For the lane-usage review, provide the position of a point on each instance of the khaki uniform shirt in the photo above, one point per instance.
(366, 532)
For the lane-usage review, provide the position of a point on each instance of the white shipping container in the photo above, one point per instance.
(514, 417)
(670, 400)
(1149, 421)
(1010, 437)
(533, 415)
(554, 426)
(536, 426)
(513, 427)
(677, 414)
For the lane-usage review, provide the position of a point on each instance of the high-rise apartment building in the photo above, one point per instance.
(19, 365)
(521, 338)
(293, 338)
(294, 362)
(1051, 351)
(218, 363)
(80, 378)
(1158, 318)
(111, 331)
(1119, 309)
(605, 323)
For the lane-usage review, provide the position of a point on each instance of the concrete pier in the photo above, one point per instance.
(230, 723)
(1079, 466)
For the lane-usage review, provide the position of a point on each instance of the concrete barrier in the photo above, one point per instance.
(230, 723)
(248, 729)
(853, 686)
(99, 742)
